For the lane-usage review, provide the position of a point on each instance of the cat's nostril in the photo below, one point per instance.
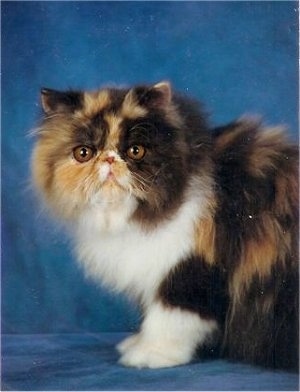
(110, 159)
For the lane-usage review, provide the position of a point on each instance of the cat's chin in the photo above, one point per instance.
(111, 192)
(107, 212)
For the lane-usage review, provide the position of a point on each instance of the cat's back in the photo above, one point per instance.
(256, 169)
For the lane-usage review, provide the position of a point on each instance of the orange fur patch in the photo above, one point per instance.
(41, 174)
(287, 191)
(114, 123)
(47, 150)
(226, 139)
(130, 107)
(258, 256)
(74, 184)
(268, 145)
(205, 240)
(94, 102)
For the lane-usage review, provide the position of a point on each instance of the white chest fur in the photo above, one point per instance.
(125, 257)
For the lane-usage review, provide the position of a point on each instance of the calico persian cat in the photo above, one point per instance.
(198, 225)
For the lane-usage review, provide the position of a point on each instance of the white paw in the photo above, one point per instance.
(147, 355)
(168, 337)
(127, 343)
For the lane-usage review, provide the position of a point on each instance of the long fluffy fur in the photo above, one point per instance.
(202, 231)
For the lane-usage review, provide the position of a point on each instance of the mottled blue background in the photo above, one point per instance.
(238, 57)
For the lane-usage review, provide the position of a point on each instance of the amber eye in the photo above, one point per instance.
(83, 154)
(136, 152)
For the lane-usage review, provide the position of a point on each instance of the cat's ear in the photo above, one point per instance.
(156, 96)
(161, 93)
(60, 101)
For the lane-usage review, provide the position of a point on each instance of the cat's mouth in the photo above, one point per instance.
(114, 175)
(110, 178)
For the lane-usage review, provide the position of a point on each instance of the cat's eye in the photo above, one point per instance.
(83, 154)
(136, 152)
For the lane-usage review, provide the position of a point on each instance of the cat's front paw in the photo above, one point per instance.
(128, 343)
(148, 355)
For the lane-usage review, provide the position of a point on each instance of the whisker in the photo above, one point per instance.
(142, 185)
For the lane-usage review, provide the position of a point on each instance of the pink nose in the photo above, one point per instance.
(110, 159)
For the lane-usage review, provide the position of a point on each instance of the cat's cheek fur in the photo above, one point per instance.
(168, 337)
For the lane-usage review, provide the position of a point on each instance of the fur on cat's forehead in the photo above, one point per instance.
(131, 104)
(103, 100)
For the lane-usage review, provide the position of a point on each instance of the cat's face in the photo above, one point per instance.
(109, 145)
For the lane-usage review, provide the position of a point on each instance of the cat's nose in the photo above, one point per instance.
(110, 159)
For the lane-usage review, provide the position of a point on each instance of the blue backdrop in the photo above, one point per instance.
(238, 57)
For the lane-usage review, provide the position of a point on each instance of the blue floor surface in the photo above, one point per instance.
(89, 362)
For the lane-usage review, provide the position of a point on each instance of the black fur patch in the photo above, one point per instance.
(198, 287)
(266, 337)
(66, 101)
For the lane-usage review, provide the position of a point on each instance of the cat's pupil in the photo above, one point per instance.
(83, 152)
(135, 150)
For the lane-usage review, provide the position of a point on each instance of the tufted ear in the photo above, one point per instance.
(156, 96)
(60, 101)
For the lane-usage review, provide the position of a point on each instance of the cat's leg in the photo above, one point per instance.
(169, 337)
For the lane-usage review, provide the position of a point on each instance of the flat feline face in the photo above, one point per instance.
(108, 146)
